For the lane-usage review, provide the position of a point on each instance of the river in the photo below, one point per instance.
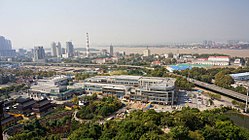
(239, 119)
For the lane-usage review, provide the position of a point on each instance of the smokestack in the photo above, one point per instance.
(87, 45)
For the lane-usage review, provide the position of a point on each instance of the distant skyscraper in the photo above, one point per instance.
(6, 48)
(39, 54)
(146, 52)
(56, 49)
(63, 50)
(87, 45)
(104, 52)
(53, 49)
(111, 50)
(69, 49)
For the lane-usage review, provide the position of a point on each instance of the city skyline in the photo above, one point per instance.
(38, 23)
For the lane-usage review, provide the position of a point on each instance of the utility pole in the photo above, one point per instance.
(1, 116)
(246, 100)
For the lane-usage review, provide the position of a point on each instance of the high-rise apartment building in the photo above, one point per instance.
(146, 52)
(56, 49)
(39, 54)
(53, 49)
(69, 49)
(111, 50)
(6, 48)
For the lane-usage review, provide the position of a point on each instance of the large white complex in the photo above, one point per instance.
(240, 76)
(54, 88)
(146, 89)
(213, 60)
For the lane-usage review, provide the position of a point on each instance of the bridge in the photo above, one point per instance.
(220, 90)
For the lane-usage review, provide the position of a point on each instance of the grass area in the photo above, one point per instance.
(239, 104)
(212, 96)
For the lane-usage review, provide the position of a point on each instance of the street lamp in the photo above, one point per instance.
(246, 99)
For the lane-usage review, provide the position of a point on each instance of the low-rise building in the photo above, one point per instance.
(238, 62)
(148, 89)
(23, 106)
(42, 108)
(8, 120)
(54, 88)
(240, 76)
(213, 60)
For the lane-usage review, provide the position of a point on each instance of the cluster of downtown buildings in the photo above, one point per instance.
(57, 51)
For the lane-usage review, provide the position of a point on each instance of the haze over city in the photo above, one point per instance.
(124, 69)
(143, 22)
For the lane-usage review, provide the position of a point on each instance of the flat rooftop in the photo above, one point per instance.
(240, 74)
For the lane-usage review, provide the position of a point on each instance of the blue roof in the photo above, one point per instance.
(182, 67)
(240, 74)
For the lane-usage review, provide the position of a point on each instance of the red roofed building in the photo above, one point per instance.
(213, 60)
(219, 58)
(158, 63)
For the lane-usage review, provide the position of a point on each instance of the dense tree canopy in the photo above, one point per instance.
(188, 124)
(99, 108)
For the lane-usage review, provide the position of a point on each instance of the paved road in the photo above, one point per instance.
(71, 64)
(76, 118)
(224, 91)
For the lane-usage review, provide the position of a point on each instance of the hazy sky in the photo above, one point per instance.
(39, 22)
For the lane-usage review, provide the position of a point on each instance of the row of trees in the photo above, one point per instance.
(220, 76)
(82, 76)
(29, 73)
(188, 124)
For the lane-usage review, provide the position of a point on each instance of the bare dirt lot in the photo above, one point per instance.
(231, 52)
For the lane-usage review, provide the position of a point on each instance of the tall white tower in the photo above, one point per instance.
(87, 45)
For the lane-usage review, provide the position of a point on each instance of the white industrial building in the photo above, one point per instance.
(54, 88)
(240, 76)
(213, 60)
(145, 89)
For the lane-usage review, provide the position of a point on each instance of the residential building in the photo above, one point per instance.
(104, 52)
(146, 52)
(69, 49)
(39, 54)
(53, 49)
(56, 50)
(6, 48)
(111, 50)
